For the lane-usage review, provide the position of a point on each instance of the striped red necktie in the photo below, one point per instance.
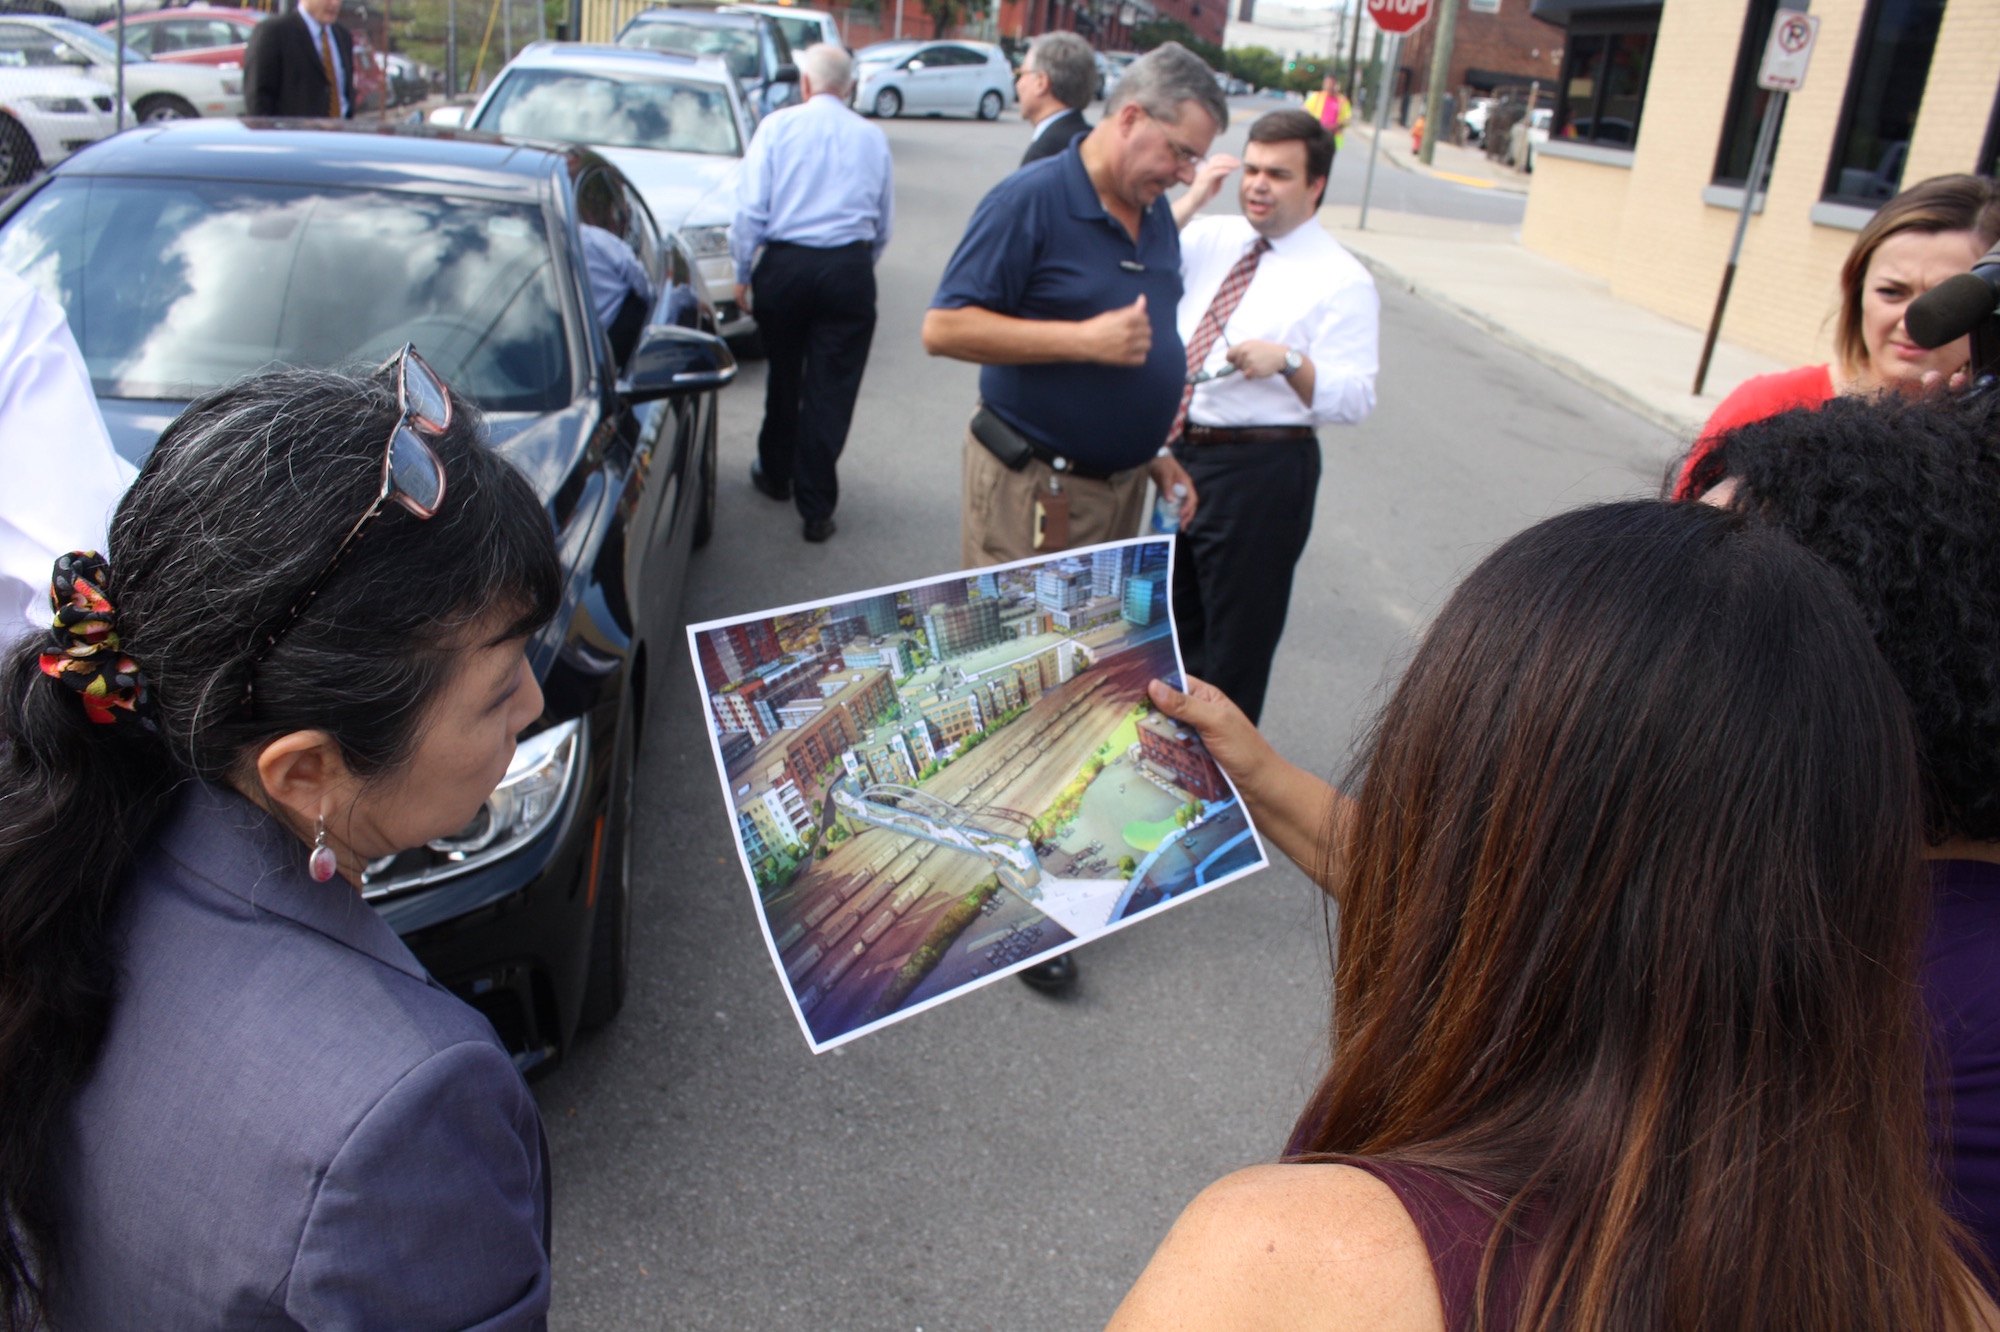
(1227, 297)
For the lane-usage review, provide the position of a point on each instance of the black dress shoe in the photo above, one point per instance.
(777, 490)
(1054, 976)
(819, 529)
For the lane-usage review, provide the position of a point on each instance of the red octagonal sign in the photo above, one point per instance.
(1402, 16)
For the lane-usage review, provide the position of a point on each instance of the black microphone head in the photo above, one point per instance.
(1950, 310)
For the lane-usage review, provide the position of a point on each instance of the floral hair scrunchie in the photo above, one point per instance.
(86, 656)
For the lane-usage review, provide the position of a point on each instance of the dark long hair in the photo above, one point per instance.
(1629, 931)
(241, 504)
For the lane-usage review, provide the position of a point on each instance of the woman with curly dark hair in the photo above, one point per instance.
(1934, 230)
(1902, 498)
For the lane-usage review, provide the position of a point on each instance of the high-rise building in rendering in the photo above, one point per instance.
(950, 592)
(1107, 572)
(956, 630)
(1064, 584)
(1146, 596)
(879, 612)
(728, 654)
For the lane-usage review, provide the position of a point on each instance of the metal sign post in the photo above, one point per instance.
(1382, 100)
(1398, 18)
(119, 122)
(1783, 72)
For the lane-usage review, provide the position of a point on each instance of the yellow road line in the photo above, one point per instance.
(1474, 181)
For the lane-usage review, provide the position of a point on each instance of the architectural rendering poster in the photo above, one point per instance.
(936, 785)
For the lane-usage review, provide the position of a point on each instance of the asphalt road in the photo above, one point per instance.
(1005, 1161)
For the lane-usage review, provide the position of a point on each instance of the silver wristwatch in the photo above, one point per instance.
(1292, 362)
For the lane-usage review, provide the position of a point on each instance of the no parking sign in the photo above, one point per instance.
(1788, 52)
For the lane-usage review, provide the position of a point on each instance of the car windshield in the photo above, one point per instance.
(613, 113)
(735, 46)
(799, 32)
(177, 287)
(38, 44)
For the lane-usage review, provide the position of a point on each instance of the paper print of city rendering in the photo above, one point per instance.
(936, 785)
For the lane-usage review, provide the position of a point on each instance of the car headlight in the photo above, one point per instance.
(521, 808)
(59, 106)
(707, 242)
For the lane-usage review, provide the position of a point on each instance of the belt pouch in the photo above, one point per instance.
(1001, 440)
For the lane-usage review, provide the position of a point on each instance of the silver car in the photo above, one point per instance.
(676, 126)
(933, 78)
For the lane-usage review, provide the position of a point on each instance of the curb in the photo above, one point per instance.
(1684, 428)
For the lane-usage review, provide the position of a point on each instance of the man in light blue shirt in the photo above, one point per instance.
(817, 201)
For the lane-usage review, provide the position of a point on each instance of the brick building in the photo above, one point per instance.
(729, 654)
(1499, 44)
(1174, 748)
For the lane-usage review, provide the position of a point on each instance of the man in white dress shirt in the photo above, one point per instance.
(59, 479)
(1281, 326)
(818, 198)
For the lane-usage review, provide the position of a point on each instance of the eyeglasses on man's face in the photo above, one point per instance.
(1186, 156)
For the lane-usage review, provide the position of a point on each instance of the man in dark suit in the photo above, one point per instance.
(300, 64)
(1054, 84)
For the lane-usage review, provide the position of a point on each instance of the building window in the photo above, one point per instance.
(1747, 102)
(1884, 89)
(1989, 152)
(1603, 85)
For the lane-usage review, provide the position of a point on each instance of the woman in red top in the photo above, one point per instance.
(1931, 231)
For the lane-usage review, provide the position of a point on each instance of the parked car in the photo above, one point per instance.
(83, 11)
(197, 35)
(933, 78)
(188, 255)
(47, 114)
(1475, 116)
(156, 90)
(802, 27)
(750, 44)
(676, 127)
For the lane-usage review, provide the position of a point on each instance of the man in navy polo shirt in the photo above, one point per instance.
(1065, 288)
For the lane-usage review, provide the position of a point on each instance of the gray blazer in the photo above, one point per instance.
(291, 1125)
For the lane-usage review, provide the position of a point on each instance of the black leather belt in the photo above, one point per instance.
(1066, 466)
(1201, 434)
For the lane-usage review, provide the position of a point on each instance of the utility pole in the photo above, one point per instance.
(1354, 54)
(1440, 71)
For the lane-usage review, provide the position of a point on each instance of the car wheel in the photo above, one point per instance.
(163, 106)
(704, 514)
(18, 158)
(989, 105)
(888, 104)
(611, 928)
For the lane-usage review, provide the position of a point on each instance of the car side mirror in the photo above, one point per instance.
(450, 117)
(672, 360)
(70, 55)
(786, 74)
(913, 64)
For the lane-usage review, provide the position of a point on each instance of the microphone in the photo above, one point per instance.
(1956, 306)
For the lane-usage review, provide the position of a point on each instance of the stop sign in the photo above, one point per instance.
(1399, 16)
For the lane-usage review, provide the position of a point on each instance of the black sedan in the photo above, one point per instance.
(190, 255)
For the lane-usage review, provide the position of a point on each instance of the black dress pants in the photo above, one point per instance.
(1233, 564)
(815, 309)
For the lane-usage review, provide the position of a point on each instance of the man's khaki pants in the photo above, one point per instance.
(996, 521)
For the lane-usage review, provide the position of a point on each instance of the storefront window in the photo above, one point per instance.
(1604, 84)
(1747, 102)
(1884, 90)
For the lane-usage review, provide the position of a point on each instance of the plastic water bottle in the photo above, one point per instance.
(1167, 510)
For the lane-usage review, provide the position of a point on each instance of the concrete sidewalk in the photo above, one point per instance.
(1462, 166)
(1555, 314)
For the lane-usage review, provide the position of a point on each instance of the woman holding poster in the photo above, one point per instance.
(1626, 1027)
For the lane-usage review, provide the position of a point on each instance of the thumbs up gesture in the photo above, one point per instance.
(1119, 337)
